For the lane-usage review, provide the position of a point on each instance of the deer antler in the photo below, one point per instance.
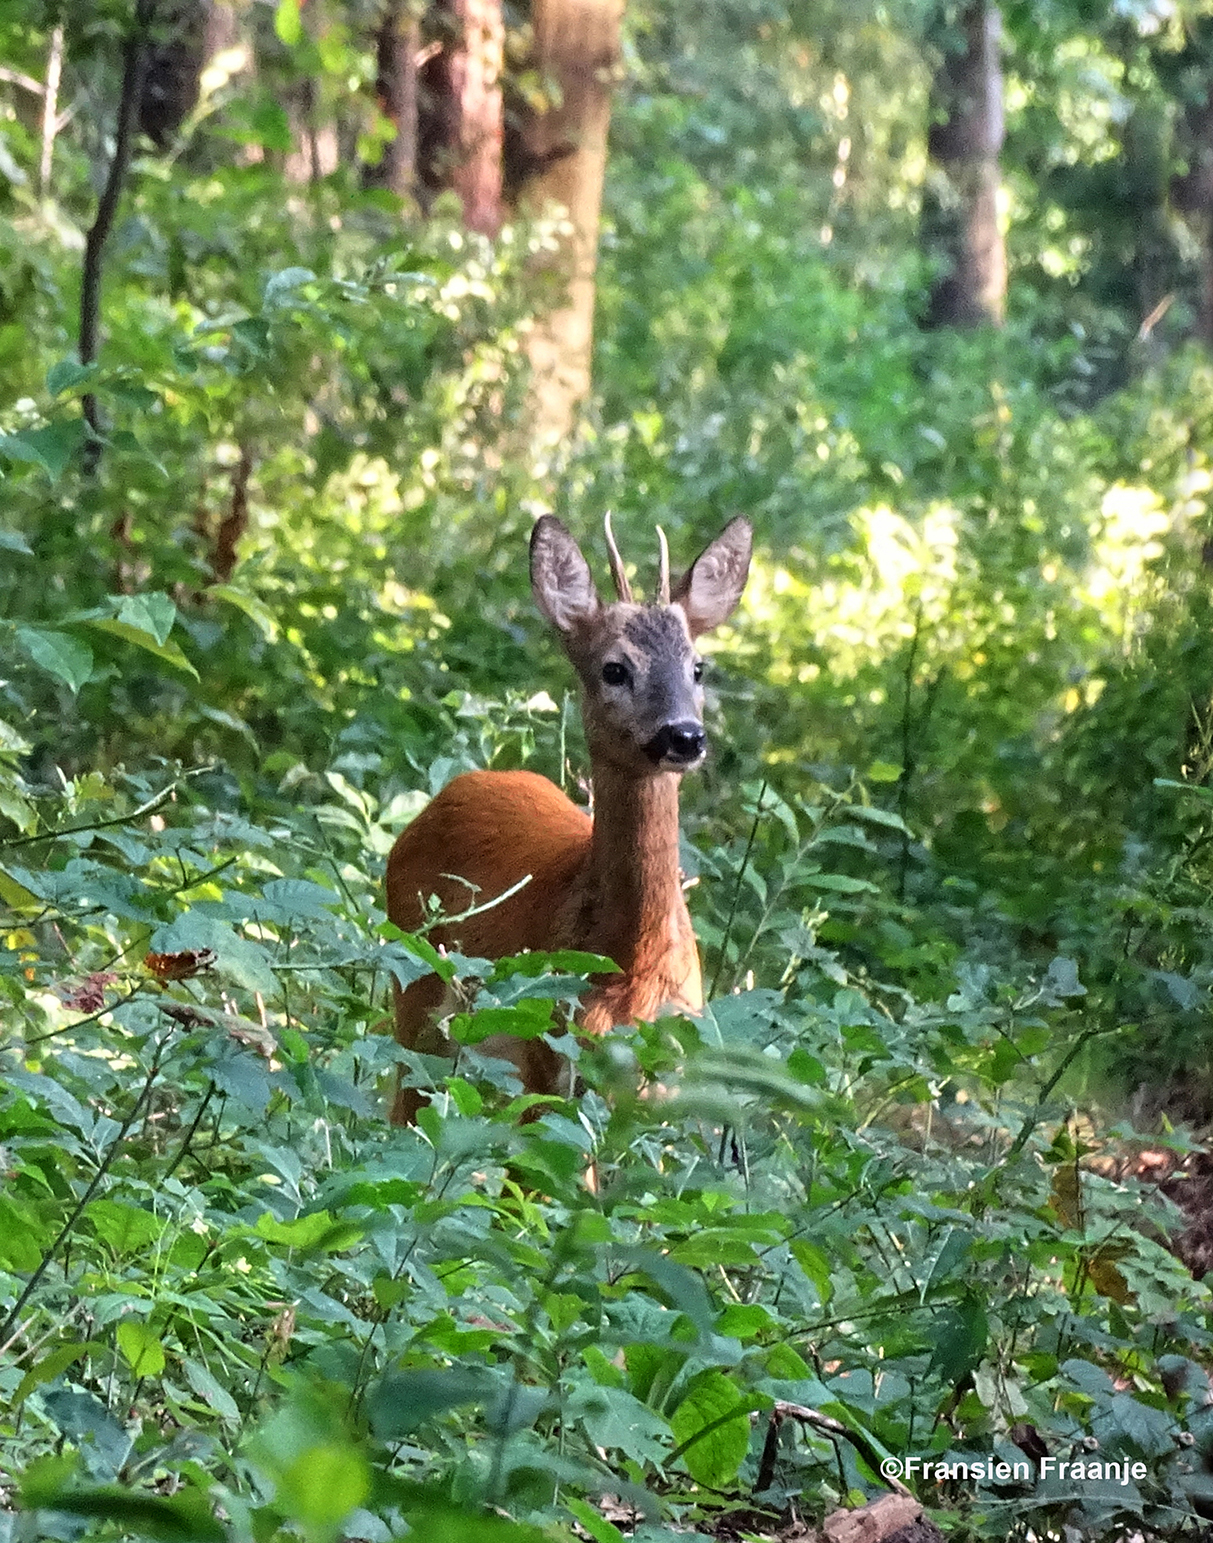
(622, 588)
(663, 586)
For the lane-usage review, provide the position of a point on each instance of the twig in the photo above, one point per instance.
(94, 247)
(119, 819)
(78, 1209)
(741, 872)
(50, 110)
(18, 78)
(192, 1132)
(832, 1427)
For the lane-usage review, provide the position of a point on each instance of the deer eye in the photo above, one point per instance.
(698, 672)
(614, 673)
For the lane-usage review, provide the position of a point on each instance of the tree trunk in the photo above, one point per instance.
(396, 44)
(561, 161)
(960, 226)
(1192, 192)
(463, 126)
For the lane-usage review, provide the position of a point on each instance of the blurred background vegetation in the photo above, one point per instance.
(296, 304)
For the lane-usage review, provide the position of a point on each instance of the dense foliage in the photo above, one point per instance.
(952, 848)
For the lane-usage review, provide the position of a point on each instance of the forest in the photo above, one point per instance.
(310, 311)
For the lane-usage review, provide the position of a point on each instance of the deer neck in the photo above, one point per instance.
(633, 883)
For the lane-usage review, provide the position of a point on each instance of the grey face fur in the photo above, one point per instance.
(642, 703)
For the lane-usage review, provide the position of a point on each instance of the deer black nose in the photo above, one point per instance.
(679, 742)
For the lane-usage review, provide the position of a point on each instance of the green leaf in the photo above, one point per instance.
(48, 1369)
(280, 287)
(961, 1336)
(323, 1485)
(601, 1530)
(529, 1019)
(402, 1402)
(876, 816)
(305, 1232)
(712, 1428)
(616, 1419)
(210, 1390)
(67, 658)
(140, 1348)
(288, 23)
(244, 961)
(841, 884)
(11, 742)
(50, 447)
(883, 771)
(255, 609)
(184, 1518)
(127, 1229)
(67, 374)
(153, 612)
(169, 652)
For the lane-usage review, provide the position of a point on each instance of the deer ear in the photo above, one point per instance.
(712, 585)
(560, 577)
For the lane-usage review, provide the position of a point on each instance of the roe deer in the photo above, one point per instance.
(610, 885)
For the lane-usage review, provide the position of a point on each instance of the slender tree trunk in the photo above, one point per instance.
(92, 268)
(960, 226)
(1192, 194)
(397, 43)
(465, 125)
(561, 163)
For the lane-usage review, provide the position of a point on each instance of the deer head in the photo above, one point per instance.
(642, 698)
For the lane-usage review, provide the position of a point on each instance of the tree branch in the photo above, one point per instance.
(94, 247)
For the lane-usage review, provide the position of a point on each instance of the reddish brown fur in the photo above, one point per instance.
(610, 886)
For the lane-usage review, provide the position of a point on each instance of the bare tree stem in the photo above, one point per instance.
(107, 206)
(50, 110)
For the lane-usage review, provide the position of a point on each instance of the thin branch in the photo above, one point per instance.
(119, 819)
(17, 78)
(78, 1209)
(107, 206)
(191, 1133)
(50, 110)
(741, 873)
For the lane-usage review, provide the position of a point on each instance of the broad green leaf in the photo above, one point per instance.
(183, 1518)
(127, 1229)
(170, 652)
(65, 657)
(68, 374)
(140, 1348)
(323, 1485)
(21, 1239)
(152, 612)
(16, 896)
(841, 884)
(712, 1426)
(11, 742)
(405, 1400)
(601, 1530)
(210, 1390)
(280, 287)
(50, 447)
(48, 1368)
(254, 608)
(246, 962)
(315, 1233)
(875, 816)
